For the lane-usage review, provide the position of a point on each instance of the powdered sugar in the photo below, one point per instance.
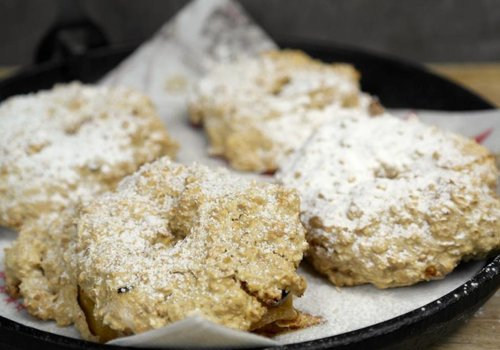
(177, 239)
(64, 144)
(361, 158)
(282, 96)
(385, 190)
(275, 83)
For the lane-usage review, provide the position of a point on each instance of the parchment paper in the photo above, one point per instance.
(203, 33)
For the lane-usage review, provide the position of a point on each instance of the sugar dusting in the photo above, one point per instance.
(179, 239)
(284, 95)
(60, 145)
(353, 307)
(382, 192)
(365, 156)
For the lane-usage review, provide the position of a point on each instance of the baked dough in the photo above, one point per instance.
(57, 148)
(393, 202)
(60, 145)
(176, 241)
(256, 111)
(173, 241)
(39, 268)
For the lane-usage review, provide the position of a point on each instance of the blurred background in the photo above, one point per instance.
(419, 30)
(456, 38)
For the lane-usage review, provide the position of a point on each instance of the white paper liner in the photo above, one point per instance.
(195, 331)
(203, 33)
(164, 67)
(344, 310)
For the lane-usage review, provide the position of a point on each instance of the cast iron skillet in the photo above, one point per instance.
(397, 84)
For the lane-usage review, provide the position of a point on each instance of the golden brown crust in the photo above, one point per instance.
(38, 269)
(393, 203)
(257, 111)
(68, 143)
(65, 145)
(300, 321)
(175, 240)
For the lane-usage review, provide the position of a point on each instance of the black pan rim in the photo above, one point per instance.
(311, 46)
(490, 273)
(478, 288)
